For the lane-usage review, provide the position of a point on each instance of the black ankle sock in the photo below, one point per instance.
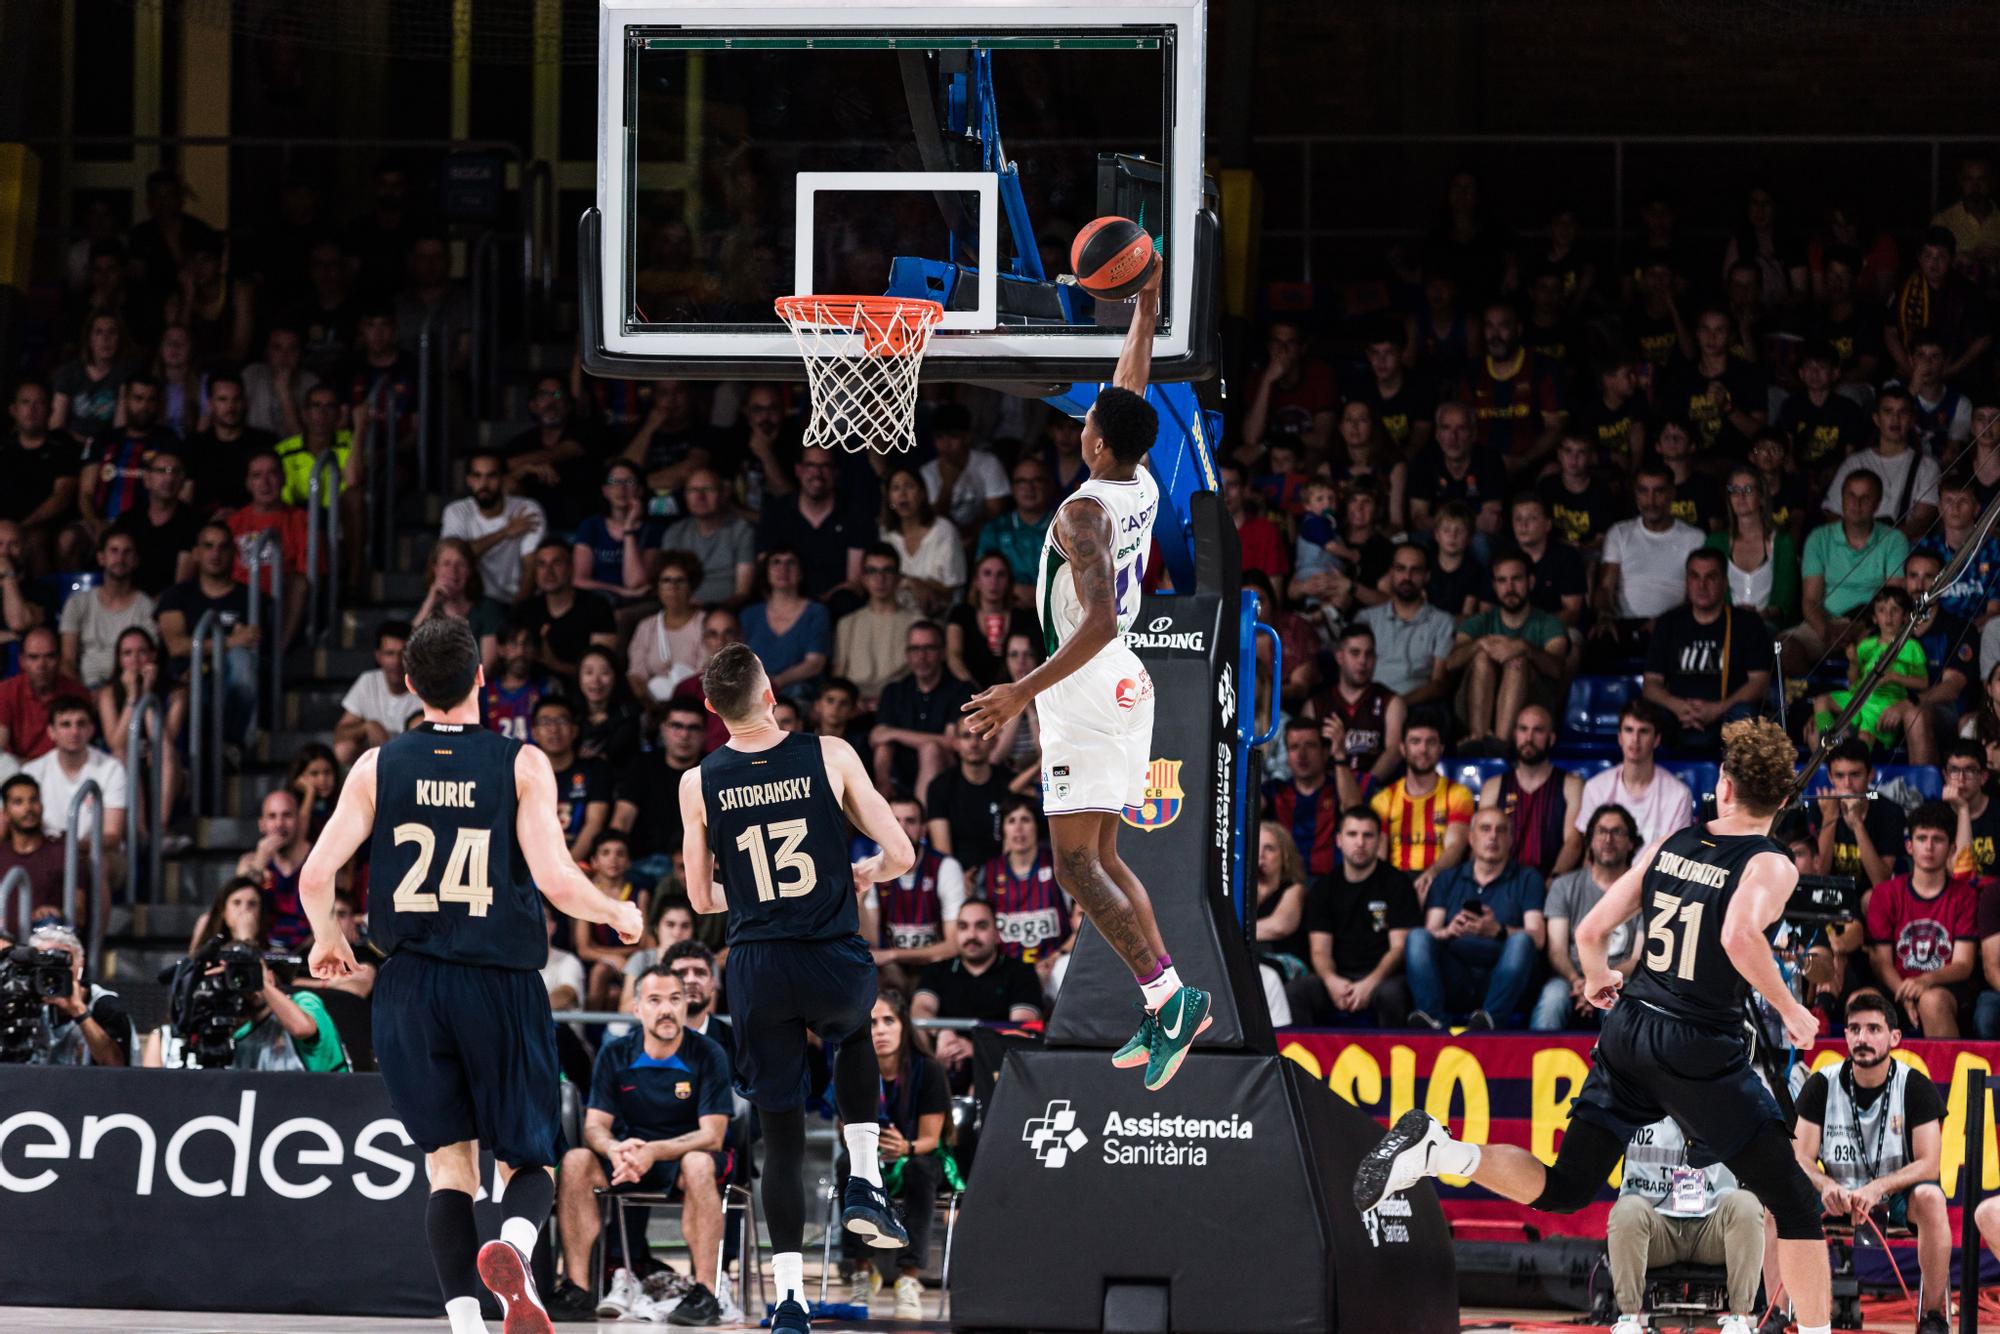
(454, 1239)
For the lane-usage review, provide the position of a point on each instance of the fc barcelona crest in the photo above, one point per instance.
(684, 1089)
(1162, 805)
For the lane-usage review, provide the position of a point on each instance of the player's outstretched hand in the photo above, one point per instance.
(1801, 1026)
(627, 922)
(330, 960)
(990, 709)
(1602, 989)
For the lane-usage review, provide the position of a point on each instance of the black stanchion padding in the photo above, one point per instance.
(1179, 843)
(1230, 1187)
(1973, 1174)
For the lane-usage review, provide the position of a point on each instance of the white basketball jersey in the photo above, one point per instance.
(1131, 506)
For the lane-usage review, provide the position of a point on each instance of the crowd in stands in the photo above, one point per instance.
(1532, 533)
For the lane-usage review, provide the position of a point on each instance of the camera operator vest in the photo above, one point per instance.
(1858, 1147)
(1657, 1152)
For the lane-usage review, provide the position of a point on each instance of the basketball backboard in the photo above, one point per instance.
(749, 151)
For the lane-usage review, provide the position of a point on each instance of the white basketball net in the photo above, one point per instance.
(862, 358)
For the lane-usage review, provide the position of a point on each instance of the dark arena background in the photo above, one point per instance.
(1541, 388)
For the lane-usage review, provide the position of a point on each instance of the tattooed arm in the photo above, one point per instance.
(1085, 535)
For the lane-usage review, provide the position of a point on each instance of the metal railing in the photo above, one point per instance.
(1610, 175)
(205, 745)
(268, 553)
(625, 1017)
(143, 751)
(538, 224)
(378, 463)
(322, 509)
(482, 275)
(87, 792)
(15, 885)
(426, 374)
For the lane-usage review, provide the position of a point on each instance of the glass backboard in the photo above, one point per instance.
(749, 151)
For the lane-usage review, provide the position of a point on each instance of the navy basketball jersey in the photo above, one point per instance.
(1683, 899)
(449, 880)
(780, 839)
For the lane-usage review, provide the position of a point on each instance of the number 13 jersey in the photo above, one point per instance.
(1683, 899)
(447, 875)
(780, 841)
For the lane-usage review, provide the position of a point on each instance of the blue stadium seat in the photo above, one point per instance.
(1594, 702)
(1699, 775)
(1473, 773)
(57, 589)
(1589, 765)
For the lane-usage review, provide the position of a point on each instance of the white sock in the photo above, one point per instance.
(1815, 1329)
(1456, 1159)
(521, 1234)
(788, 1270)
(1162, 988)
(864, 1151)
(463, 1312)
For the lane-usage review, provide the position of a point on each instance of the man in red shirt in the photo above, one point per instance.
(1923, 925)
(1296, 394)
(26, 698)
(1263, 544)
(264, 479)
(23, 843)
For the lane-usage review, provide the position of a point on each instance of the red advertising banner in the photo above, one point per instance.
(1515, 1088)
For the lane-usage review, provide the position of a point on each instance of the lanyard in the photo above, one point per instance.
(1871, 1154)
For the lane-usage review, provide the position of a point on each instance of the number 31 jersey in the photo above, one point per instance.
(780, 842)
(447, 877)
(1683, 899)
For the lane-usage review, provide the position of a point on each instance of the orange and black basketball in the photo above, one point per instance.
(1112, 258)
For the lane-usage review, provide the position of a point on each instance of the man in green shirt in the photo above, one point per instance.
(1512, 655)
(1019, 534)
(1844, 563)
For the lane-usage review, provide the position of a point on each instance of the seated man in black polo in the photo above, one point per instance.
(1709, 663)
(908, 740)
(658, 1114)
(981, 983)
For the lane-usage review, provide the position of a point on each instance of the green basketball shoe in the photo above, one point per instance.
(1138, 1048)
(1175, 1027)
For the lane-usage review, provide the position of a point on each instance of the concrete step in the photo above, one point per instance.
(405, 586)
(312, 706)
(243, 792)
(153, 921)
(358, 624)
(199, 876)
(332, 664)
(279, 747)
(225, 833)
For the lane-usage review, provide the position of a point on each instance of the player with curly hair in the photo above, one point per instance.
(1673, 1043)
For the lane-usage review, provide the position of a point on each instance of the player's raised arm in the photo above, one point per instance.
(1767, 883)
(1088, 543)
(697, 862)
(353, 819)
(1135, 358)
(540, 836)
(870, 814)
(1593, 934)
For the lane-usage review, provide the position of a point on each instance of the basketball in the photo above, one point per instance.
(1112, 258)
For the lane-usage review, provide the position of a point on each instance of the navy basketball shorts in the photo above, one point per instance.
(469, 1053)
(781, 989)
(1649, 1064)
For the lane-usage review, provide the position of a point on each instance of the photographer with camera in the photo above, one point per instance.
(49, 1015)
(227, 1008)
(1870, 1137)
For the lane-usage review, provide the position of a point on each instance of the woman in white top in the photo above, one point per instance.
(933, 559)
(666, 647)
(1762, 560)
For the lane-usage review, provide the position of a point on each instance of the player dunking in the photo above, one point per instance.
(1674, 1043)
(464, 828)
(1096, 698)
(774, 808)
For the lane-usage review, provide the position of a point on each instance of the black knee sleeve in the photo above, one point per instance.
(784, 1177)
(1767, 1169)
(1581, 1167)
(454, 1239)
(857, 1080)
